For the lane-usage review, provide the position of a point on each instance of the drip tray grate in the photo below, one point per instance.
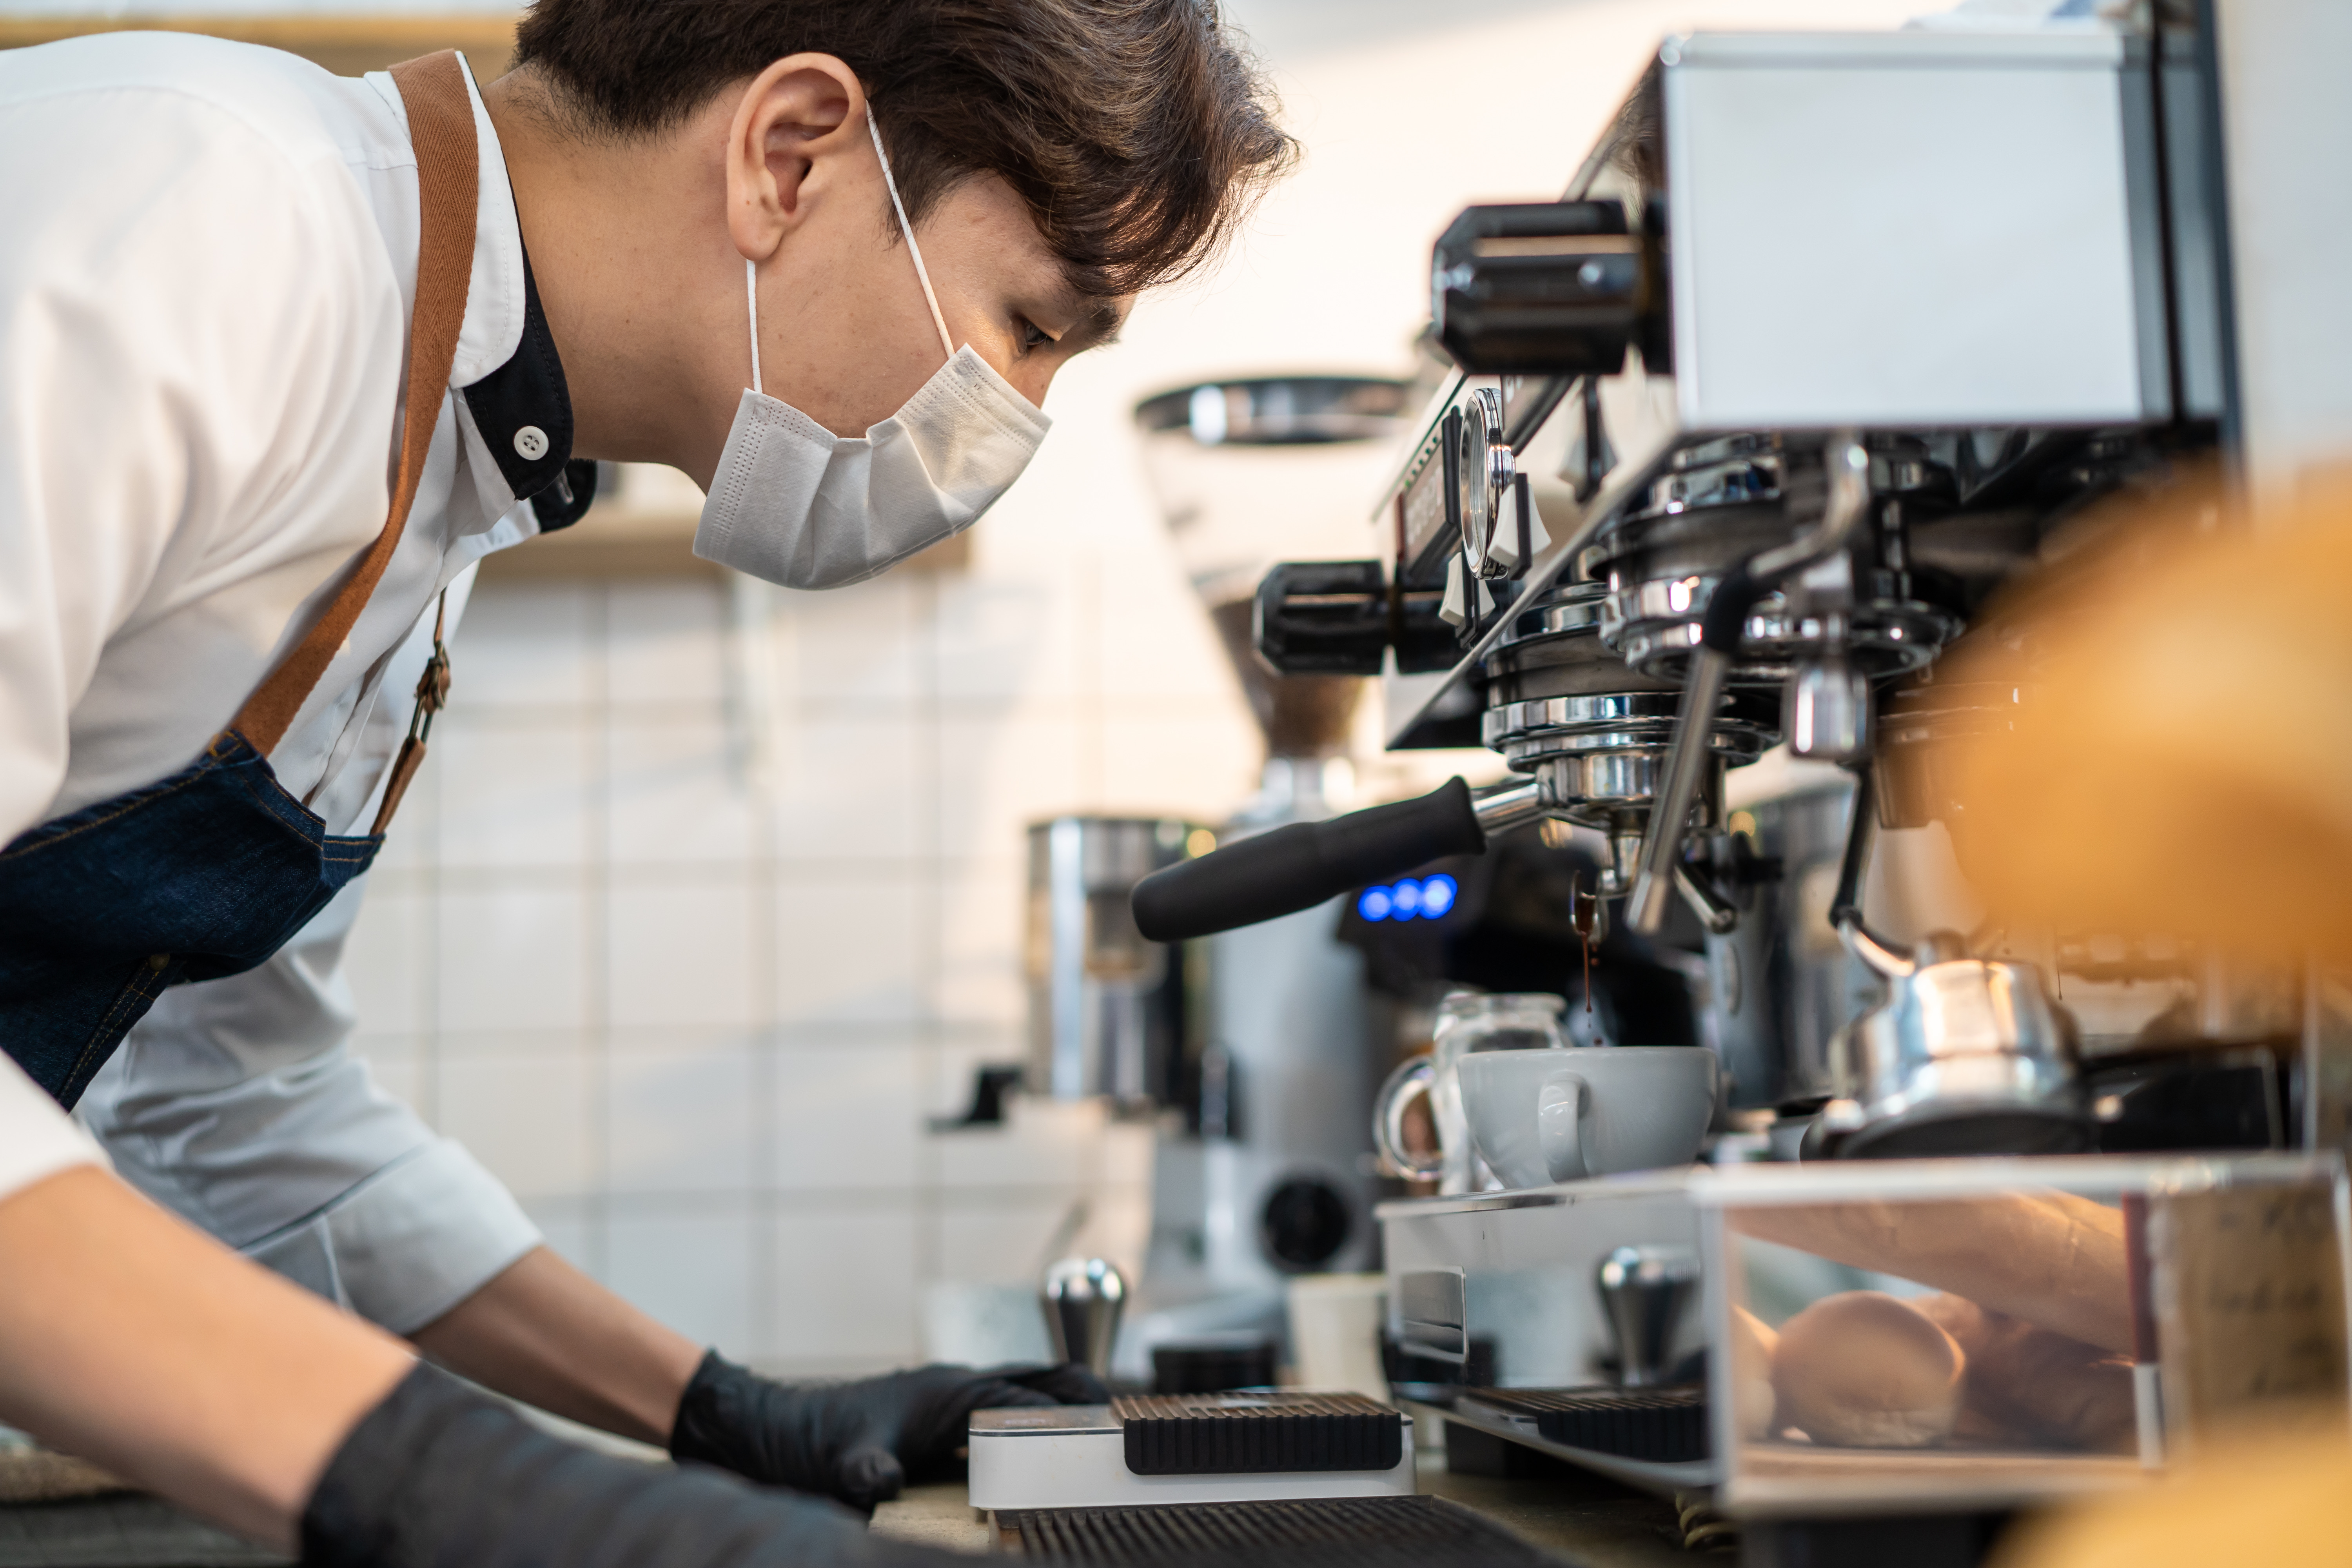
(1339, 1532)
(1256, 1433)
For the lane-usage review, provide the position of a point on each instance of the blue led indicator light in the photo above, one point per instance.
(1408, 898)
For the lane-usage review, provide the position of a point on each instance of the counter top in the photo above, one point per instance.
(1592, 1521)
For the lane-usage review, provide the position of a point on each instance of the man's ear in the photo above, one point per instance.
(793, 123)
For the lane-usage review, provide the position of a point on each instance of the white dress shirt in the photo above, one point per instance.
(205, 276)
(37, 1139)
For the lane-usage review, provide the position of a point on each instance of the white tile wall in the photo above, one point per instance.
(513, 956)
(847, 1114)
(683, 1118)
(692, 1264)
(842, 1284)
(526, 1110)
(684, 956)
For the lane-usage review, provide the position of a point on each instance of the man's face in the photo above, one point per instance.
(845, 334)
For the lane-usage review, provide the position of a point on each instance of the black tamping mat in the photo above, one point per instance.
(1257, 1433)
(1339, 1532)
(1663, 1425)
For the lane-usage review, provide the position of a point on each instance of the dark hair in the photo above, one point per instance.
(1136, 131)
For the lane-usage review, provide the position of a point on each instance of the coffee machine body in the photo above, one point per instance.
(1812, 358)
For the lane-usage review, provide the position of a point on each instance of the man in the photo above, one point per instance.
(825, 257)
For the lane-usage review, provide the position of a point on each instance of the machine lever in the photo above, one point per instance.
(1720, 916)
(1298, 867)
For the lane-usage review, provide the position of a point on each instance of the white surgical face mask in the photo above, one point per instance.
(797, 505)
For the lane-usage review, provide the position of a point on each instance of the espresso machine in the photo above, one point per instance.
(1815, 352)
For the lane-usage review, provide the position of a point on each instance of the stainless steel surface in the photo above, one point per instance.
(1647, 1292)
(1082, 1299)
(1866, 268)
(1645, 906)
(1516, 1270)
(1661, 1478)
(1965, 1055)
(1827, 714)
(1505, 807)
(2286, 129)
(1780, 985)
(1105, 1005)
(1932, 325)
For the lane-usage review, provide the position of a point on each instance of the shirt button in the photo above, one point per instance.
(532, 442)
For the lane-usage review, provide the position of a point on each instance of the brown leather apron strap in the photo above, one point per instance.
(441, 126)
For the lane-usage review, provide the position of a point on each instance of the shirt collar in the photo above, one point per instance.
(505, 370)
(495, 310)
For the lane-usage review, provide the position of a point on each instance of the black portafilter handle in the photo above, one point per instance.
(1268, 875)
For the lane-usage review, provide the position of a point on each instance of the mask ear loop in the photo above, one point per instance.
(751, 293)
(923, 274)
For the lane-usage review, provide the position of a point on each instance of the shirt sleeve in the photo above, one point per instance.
(37, 1139)
(179, 294)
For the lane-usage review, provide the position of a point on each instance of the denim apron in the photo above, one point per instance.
(211, 870)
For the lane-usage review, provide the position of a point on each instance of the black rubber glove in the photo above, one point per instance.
(861, 1441)
(439, 1476)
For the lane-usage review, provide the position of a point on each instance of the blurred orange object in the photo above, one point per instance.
(2180, 760)
(2279, 1503)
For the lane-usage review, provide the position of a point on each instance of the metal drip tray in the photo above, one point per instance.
(1358, 1532)
(1663, 1425)
(1191, 1449)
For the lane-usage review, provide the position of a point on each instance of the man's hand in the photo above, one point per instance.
(861, 1441)
(440, 1475)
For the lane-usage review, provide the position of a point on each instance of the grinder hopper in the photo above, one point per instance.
(1269, 468)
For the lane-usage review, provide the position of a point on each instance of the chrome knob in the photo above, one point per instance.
(1083, 1298)
(1645, 1291)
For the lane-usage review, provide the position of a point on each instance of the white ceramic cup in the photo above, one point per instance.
(1466, 1021)
(1542, 1116)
